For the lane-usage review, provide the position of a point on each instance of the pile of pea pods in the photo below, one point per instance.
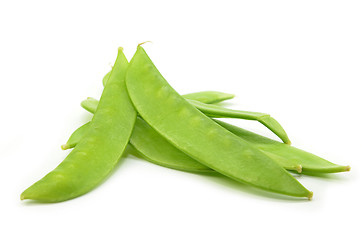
(138, 109)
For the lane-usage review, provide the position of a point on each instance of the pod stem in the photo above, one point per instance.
(65, 146)
(143, 43)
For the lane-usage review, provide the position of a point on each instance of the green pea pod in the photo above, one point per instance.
(209, 96)
(286, 155)
(90, 104)
(221, 112)
(99, 150)
(76, 136)
(156, 149)
(106, 77)
(198, 136)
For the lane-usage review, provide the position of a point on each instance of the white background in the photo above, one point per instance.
(297, 60)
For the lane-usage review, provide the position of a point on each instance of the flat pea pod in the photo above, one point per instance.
(221, 112)
(98, 151)
(286, 155)
(198, 136)
(154, 148)
(90, 104)
(105, 78)
(76, 136)
(209, 96)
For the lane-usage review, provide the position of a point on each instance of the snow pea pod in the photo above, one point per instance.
(105, 78)
(198, 136)
(263, 118)
(286, 155)
(77, 135)
(209, 96)
(154, 148)
(98, 151)
(90, 104)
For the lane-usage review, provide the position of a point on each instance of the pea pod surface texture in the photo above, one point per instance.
(197, 135)
(99, 150)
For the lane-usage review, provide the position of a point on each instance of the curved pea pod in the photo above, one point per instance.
(287, 156)
(198, 136)
(159, 151)
(263, 118)
(76, 136)
(94, 157)
(90, 104)
(106, 77)
(209, 96)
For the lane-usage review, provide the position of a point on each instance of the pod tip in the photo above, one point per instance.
(120, 49)
(299, 168)
(310, 196)
(347, 169)
(22, 197)
(65, 146)
(231, 95)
